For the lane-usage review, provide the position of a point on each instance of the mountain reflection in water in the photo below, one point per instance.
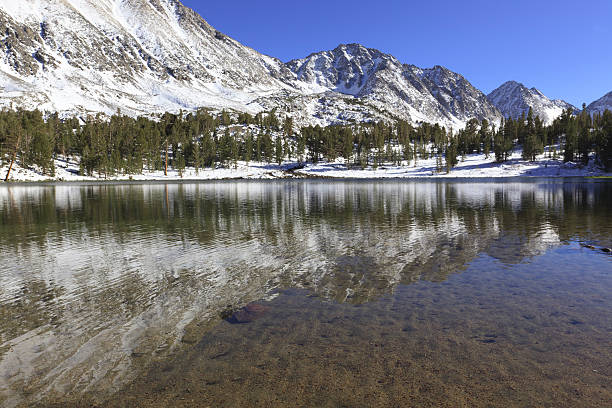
(100, 281)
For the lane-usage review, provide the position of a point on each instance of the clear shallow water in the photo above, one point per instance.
(306, 293)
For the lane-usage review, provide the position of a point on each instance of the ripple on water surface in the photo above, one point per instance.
(306, 293)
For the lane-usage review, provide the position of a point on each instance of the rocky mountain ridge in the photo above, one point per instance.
(600, 105)
(149, 56)
(433, 95)
(136, 55)
(513, 99)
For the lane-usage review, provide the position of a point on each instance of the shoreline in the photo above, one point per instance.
(521, 178)
(476, 168)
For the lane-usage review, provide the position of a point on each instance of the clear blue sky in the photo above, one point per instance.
(563, 48)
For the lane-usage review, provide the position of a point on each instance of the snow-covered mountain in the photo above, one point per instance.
(137, 55)
(600, 105)
(433, 95)
(513, 98)
(148, 56)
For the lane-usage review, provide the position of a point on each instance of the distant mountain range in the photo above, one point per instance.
(150, 56)
(513, 99)
(432, 95)
(600, 105)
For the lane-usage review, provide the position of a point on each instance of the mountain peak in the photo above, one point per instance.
(345, 69)
(600, 105)
(514, 99)
(351, 46)
(440, 68)
(141, 56)
(511, 84)
(433, 95)
(150, 56)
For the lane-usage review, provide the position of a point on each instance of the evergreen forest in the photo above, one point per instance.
(107, 146)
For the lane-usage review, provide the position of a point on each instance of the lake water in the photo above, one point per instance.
(307, 293)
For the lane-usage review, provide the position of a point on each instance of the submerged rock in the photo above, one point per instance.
(247, 314)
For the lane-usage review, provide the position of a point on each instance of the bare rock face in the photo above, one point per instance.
(600, 105)
(433, 95)
(247, 314)
(456, 96)
(19, 42)
(514, 99)
(346, 69)
(151, 56)
(142, 56)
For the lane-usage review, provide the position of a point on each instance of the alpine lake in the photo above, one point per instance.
(307, 293)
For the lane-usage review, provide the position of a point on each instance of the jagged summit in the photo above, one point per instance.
(345, 69)
(513, 99)
(137, 55)
(147, 56)
(600, 105)
(150, 56)
(435, 94)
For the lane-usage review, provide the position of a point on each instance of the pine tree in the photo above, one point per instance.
(287, 135)
(248, 148)
(485, 137)
(301, 147)
(503, 140)
(347, 145)
(278, 150)
(225, 119)
(225, 147)
(451, 152)
(530, 146)
(234, 151)
(584, 142)
(197, 155)
(13, 139)
(268, 150)
(209, 150)
(571, 139)
(604, 143)
(179, 162)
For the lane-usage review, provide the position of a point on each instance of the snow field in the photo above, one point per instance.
(474, 166)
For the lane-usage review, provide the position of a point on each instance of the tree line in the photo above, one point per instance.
(121, 144)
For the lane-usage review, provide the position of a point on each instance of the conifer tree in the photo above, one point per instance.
(258, 147)
(107, 146)
(248, 148)
(209, 150)
(197, 155)
(12, 138)
(234, 151)
(604, 143)
(485, 137)
(225, 147)
(347, 145)
(278, 150)
(451, 152)
(179, 162)
(301, 147)
(503, 140)
(571, 140)
(268, 150)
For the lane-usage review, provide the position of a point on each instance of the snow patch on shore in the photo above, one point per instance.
(70, 172)
(475, 166)
(472, 166)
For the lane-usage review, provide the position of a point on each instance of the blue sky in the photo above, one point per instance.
(562, 48)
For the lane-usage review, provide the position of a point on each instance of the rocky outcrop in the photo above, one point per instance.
(600, 105)
(514, 99)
